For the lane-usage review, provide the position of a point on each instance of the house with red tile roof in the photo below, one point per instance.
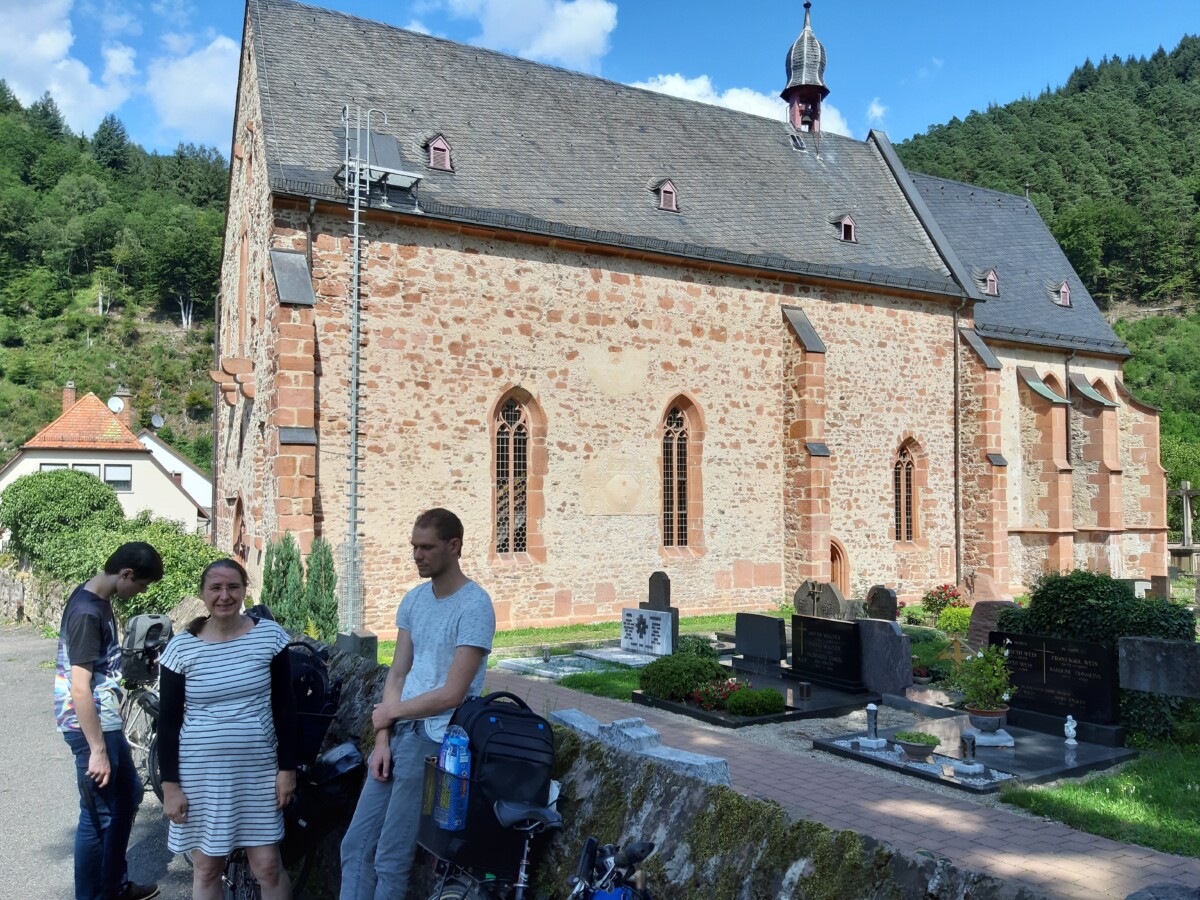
(90, 437)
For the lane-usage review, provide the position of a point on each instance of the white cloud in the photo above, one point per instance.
(701, 89)
(177, 44)
(115, 18)
(418, 26)
(746, 100)
(876, 112)
(35, 57)
(194, 94)
(573, 33)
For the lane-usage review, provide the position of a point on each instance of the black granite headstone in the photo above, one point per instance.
(659, 600)
(881, 603)
(760, 639)
(826, 651)
(1062, 677)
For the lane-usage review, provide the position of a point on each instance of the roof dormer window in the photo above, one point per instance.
(992, 284)
(1064, 295)
(668, 197)
(846, 229)
(439, 154)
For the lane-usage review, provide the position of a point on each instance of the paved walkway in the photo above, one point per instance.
(1044, 856)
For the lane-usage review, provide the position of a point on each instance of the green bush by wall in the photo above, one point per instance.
(756, 702)
(675, 677)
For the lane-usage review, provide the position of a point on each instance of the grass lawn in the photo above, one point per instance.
(1154, 801)
(615, 684)
(601, 631)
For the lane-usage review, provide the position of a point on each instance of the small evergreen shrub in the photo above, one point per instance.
(917, 737)
(954, 620)
(922, 635)
(695, 645)
(752, 702)
(913, 615)
(675, 677)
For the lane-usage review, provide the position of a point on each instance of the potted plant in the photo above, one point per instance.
(916, 744)
(921, 675)
(985, 681)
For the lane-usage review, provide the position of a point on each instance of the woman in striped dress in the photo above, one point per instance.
(228, 757)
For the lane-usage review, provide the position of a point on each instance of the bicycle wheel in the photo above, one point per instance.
(238, 881)
(153, 772)
(140, 728)
(458, 888)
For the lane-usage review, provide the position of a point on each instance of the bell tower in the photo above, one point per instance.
(805, 67)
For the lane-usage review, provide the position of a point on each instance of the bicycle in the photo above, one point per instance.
(459, 883)
(146, 637)
(611, 872)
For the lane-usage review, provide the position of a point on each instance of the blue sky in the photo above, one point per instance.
(168, 68)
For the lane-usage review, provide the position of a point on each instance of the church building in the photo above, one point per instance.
(619, 332)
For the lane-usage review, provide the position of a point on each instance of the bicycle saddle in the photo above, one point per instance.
(534, 818)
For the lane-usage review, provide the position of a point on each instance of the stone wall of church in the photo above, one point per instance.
(603, 346)
(247, 319)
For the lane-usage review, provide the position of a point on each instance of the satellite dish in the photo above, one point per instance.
(116, 404)
(156, 421)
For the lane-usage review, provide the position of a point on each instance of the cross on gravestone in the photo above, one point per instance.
(659, 600)
(820, 598)
(1185, 493)
(958, 651)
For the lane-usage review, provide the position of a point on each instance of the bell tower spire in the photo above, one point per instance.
(805, 67)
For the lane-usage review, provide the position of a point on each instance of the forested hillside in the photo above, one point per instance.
(108, 273)
(1112, 162)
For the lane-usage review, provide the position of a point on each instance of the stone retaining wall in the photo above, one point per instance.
(27, 598)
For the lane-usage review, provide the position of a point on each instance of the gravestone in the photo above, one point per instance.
(1160, 587)
(1160, 666)
(826, 651)
(977, 587)
(1062, 677)
(760, 640)
(659, 600)
(886, 656)
(1141, 587)
(646, 631)
(820, 598)
(984, 616)
(881, 603)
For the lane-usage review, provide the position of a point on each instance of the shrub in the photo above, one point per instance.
(954, 620)
(37, 508)
(695, 645)
(320, 592)
(917, 737)
(938, 599)
(675, 677)
(716, 694)
(913, 615)
(922, 635)
(283, 584)
(74, 557)
(752, 702)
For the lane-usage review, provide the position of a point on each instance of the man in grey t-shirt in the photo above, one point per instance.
(445, 630)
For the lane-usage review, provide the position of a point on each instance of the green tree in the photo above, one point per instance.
(110, 144)
(37, 508)
(283, 583)
(320, 593)
(44, 115)
(8, 100)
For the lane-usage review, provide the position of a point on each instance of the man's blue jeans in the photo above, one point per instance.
(105, 818)
(378, 850)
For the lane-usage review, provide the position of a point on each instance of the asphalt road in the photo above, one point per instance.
(39, 803)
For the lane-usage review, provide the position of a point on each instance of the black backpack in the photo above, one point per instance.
(316, 699)
(512, 747)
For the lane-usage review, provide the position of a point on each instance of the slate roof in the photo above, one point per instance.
(88, 425)
(993, 230)
(542, 149)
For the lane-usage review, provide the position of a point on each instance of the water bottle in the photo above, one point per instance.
(454, 758)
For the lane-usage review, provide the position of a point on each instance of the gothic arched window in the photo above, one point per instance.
(512, 478)
(675, 479)
(903, 489)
